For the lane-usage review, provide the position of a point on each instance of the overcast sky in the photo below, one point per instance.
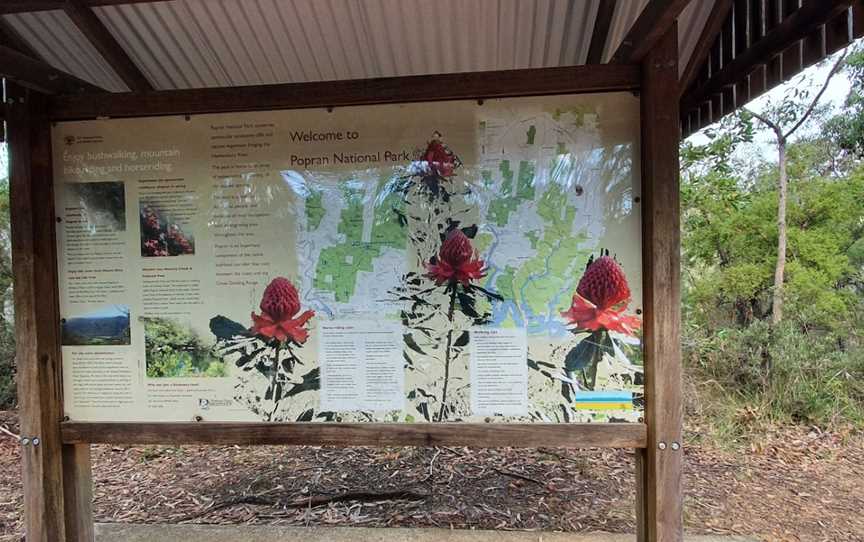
(813, 77)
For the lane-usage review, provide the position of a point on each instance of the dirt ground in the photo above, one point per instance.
(799, 485)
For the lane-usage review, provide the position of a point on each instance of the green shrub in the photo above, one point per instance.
(781, 374)
(7, 366)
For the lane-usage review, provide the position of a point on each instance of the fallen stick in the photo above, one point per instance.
(362, 496)
(308, 502)
(5, 430)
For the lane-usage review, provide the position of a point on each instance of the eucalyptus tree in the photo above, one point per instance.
(784, 117)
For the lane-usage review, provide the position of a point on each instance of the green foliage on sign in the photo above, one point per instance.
(175, 350)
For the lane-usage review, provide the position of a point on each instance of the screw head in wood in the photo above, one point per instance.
(36, 441)
(661, 445)
(676, 446)
(25, 441)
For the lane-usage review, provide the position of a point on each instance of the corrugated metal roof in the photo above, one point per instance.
(691, 22)
(626, 12)
(206, 43)
(55, 37)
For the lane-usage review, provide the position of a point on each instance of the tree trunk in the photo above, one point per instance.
(779, 270)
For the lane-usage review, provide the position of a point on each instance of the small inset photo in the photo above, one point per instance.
(107, 326)
(102, 205)
(174, 349)
(162, 234)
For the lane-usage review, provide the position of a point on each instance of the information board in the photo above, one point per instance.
(427, 262)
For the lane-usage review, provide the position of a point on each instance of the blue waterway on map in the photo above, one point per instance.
(522, 315)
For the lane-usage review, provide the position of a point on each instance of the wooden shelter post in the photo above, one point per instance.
(659, 492)
(56, 476)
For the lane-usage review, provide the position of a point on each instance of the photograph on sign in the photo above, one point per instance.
(461, 261)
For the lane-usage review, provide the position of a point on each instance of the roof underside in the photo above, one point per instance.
(730, 51)
(181, 44)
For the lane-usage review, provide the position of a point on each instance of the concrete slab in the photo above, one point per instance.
(122, 532)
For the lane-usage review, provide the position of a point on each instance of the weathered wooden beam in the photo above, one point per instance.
(493, 84)
(659, 464)
(709, 34)
(838, 32)
(104, 42)
(78, 493)
(588, 435)
(801, 23)
(34, 266)
(858, 19)
(602, 22)
(656, 19)
(40, 76)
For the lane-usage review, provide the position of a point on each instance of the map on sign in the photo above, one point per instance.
(538, 224)
(351, 245)
(537, 192)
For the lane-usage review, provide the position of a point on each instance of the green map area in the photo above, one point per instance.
(578, 113)
(314, 209)
(510, 198)
(541, 278)
(338, 265)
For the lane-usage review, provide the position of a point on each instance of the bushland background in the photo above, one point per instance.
(774, 405)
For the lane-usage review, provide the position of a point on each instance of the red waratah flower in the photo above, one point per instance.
(279, 305)
(440, 160)
(152, 247)
(150, 220)
(178, 242)
(456, 261)
(601, 298)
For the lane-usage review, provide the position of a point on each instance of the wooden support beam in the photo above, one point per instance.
(800, 24)
(602, 22)
(104, 42)
(838, 32)
(588, 435)
(34, 266)
(78, 493)
(36, 329)
(659, 503)
(10, 37)
(56, 476)
(40, 76)
(456, 86)
(656, 19)
(709, 34)
(858, 19)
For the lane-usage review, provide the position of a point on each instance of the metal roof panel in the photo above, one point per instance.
(208, 43)
(54, 36)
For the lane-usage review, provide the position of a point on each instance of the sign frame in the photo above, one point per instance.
(56, 453)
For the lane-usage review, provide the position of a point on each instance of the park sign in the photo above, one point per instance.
(459, 261)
